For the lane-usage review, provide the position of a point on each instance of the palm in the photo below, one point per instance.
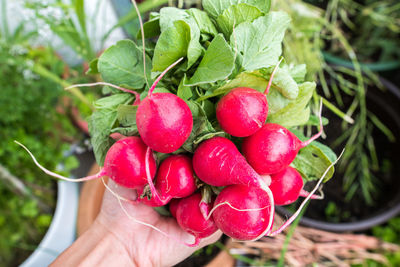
(145, 244)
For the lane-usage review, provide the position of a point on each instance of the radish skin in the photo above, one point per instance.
(249, 214)
(175, 179)
(242, 111)
(191, 220)
(218, 162)
(273, 147)
(286, 186)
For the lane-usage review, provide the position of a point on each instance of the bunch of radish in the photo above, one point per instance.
(217, 184)
(246, 186)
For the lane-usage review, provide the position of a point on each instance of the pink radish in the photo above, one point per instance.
(175, 179)
(243, 212)
(218, 162)
(273, 147)
(191, 220)
(243, 111)
(124, 163)
(164, 120)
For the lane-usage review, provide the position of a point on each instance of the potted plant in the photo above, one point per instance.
(345, 207)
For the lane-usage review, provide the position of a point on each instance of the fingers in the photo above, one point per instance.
(211, 239)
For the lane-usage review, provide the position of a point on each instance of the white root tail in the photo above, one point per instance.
(53, 174)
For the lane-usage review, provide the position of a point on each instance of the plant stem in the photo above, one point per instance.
(337, 111)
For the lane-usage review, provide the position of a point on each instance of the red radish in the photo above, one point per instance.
(175, 179)
(273, 147)
(164, 120)
(242, 111)
(243, 212)
(191, 220)
(173, 206)
(124, 163)
(218, 162)
(286, 186)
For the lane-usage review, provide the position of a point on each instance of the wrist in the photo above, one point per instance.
(96, 247)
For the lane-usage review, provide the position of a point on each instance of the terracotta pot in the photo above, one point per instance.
(89, 206)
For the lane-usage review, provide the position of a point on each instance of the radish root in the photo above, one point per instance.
(232, 207)
(53, 174)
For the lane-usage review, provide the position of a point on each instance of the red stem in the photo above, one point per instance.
(162, 75)
(154, 194)
(272, 77)
(304, 193)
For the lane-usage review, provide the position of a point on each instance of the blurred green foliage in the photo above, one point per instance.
(28, 114)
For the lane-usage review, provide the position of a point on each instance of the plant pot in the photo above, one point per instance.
(62, 231)
(89, 206)
(376, 66)
(385, 105)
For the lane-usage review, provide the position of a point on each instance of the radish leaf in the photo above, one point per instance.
(295, 112)
(217, 63)
(234, 15)
(172, 45)
(215, 7)
(122, 64)
(260, 43)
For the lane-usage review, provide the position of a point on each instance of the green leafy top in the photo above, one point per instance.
(231, 43)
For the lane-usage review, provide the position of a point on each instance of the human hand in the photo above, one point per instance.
(145, 246)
